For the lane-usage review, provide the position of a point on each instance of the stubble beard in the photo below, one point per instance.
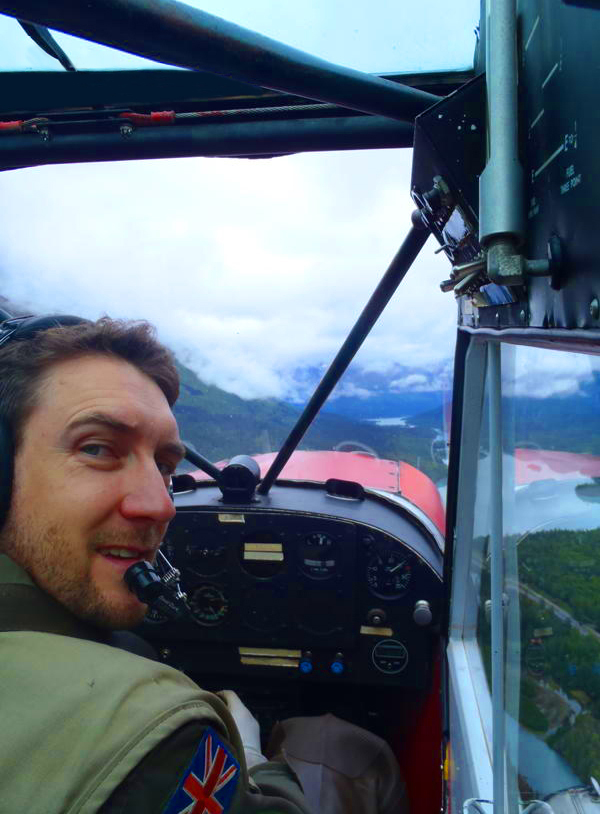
(54, 567)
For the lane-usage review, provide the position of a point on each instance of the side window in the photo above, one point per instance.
(551, 558)
(480, 560)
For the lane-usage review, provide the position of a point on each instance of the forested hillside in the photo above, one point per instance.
(221, 425)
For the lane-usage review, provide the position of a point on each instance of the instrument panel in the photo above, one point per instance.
(306, 596)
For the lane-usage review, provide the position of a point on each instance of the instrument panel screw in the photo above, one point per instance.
(595, 308)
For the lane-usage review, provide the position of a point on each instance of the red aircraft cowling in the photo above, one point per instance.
(396, 477)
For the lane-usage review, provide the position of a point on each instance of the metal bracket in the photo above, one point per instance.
(476, 806)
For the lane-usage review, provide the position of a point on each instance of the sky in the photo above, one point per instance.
(250, 269)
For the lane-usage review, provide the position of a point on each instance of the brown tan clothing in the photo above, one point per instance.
(343, 769)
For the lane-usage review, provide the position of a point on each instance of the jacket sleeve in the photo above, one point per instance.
(148, 788)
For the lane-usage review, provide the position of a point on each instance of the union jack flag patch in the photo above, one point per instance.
(209, 782)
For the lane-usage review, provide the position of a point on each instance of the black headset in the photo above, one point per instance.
(16, 329)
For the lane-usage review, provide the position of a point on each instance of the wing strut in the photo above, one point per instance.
(405, 257)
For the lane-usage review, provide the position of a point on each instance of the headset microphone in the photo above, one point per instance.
(160, 591)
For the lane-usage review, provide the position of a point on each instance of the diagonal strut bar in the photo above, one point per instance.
(405, 257)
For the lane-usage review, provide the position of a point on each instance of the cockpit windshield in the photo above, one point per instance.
(396, 39)
(254, 271)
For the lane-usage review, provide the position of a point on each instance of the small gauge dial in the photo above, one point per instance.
(206, 558)
(318, 555)
(208, 605)
(154, 617)
(390, 656)
(199, 556)
(389, 573)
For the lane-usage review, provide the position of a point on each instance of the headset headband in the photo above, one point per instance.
(25, 327)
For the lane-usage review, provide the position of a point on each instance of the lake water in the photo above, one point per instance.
(544, 770)
(391, 422)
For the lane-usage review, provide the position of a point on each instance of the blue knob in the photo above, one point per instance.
(337, 667)
(305, 666)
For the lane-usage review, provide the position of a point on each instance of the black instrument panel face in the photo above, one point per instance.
(323, 598)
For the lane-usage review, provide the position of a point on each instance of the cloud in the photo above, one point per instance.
(543, 373)
(251, 269)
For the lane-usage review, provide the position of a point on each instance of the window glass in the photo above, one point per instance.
(390, 37)
(551, 520)
(480, 559)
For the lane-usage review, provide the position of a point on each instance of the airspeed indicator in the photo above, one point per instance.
(389, 573)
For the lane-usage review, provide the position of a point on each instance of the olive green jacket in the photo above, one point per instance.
(89, 728)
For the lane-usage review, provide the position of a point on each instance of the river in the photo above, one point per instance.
(543, 768)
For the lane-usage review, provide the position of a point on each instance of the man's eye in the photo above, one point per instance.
(95, 450)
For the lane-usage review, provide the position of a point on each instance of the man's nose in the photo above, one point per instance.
(147, 495)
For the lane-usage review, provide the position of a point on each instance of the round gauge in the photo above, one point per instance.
(390, 656)
(208, 605)
(389, 573)
(318, 555)
(262, 554)
(154, 617)
(206, 558)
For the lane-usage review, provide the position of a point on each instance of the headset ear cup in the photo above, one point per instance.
(20, 328)
(7, 456)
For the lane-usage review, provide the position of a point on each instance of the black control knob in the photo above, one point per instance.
(376, 617)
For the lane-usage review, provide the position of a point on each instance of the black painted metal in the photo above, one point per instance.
(560, 123)
(164, 89)
(42, 37)
(408, 251)
(174, 33)
(239, 139)
(450, 141)
(558, 76)
(462, 345)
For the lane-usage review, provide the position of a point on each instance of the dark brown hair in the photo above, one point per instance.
(24, 362)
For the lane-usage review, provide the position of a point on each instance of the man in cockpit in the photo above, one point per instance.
(88, 727)
(88, 444)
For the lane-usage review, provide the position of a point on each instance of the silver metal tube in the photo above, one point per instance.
(501, 186)
(497, 574)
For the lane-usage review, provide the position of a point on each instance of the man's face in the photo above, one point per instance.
(91, 484)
